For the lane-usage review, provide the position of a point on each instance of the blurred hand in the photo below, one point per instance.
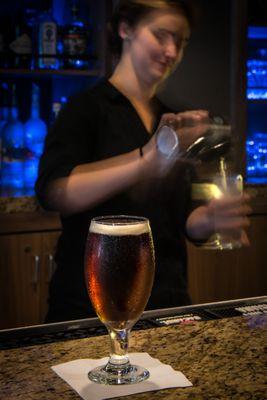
(228, 215)
(154, 161)
(188, 125)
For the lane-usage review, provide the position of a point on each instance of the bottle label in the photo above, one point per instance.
(48, 42)
(75, 44)
(22, 45)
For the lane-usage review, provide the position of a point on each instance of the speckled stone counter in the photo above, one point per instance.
(224, 359)
(10, 204)
(16, 201)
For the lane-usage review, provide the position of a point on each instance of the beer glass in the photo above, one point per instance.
(119, 272)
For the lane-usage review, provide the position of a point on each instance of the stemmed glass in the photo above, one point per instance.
(224, 186)
(119, 272)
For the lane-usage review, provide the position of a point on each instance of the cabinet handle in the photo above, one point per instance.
(51, 267)
(36, 270)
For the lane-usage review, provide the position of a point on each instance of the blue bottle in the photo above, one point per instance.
(4, 112)
(13, 148)
(4, 105)
(35, 131)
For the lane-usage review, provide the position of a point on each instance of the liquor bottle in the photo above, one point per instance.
(4, 112)
(20, 44)
(13, 147)
(2, 43)
(75, 41)
(31, 20)
(35, 132)
(47, 41)
(56, 107)
(4, 105)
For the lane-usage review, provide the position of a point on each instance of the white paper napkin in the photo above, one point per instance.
(162, 376)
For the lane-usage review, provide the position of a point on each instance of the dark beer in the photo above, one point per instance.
(119, 265)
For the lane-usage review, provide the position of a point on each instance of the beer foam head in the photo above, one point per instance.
(118, 227)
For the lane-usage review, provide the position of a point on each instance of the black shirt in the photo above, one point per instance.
(97, 124)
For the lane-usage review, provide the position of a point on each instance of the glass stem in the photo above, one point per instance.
(119, 346)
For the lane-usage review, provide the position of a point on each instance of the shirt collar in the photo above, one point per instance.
(111, 91)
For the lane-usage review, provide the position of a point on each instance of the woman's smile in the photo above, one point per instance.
(157, 45)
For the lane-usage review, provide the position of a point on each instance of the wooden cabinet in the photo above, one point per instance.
(26, 267)
(216, 275)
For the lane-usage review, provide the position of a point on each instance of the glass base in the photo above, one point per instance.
(111, 374)
(219, 244)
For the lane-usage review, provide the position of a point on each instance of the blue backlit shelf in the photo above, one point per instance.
(256, 146)
(256, 180)
(257, 77)
(41, 72)
(257, 32)
(257, 93)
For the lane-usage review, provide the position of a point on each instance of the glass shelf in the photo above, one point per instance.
(256, 149)
(255, 180)
(257, 93)
(13, 192)
(257, 32)
(60, 72)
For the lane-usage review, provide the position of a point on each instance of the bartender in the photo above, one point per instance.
(101, 158)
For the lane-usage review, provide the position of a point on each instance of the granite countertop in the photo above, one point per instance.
(10, 204)
(16, 202)
(224, 359)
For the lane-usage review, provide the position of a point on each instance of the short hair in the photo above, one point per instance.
(133, 11)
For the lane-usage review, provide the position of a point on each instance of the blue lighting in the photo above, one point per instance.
(35, 132)
(12, 134)
(257, 73)
(256, 94)
(257, 63)
(257, 32)
(257, 156)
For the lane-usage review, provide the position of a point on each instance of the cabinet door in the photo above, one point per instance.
(49, 243)
(216, 275)
(26, 267)
(20, 279)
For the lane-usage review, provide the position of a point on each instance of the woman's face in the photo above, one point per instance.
(156, 44)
